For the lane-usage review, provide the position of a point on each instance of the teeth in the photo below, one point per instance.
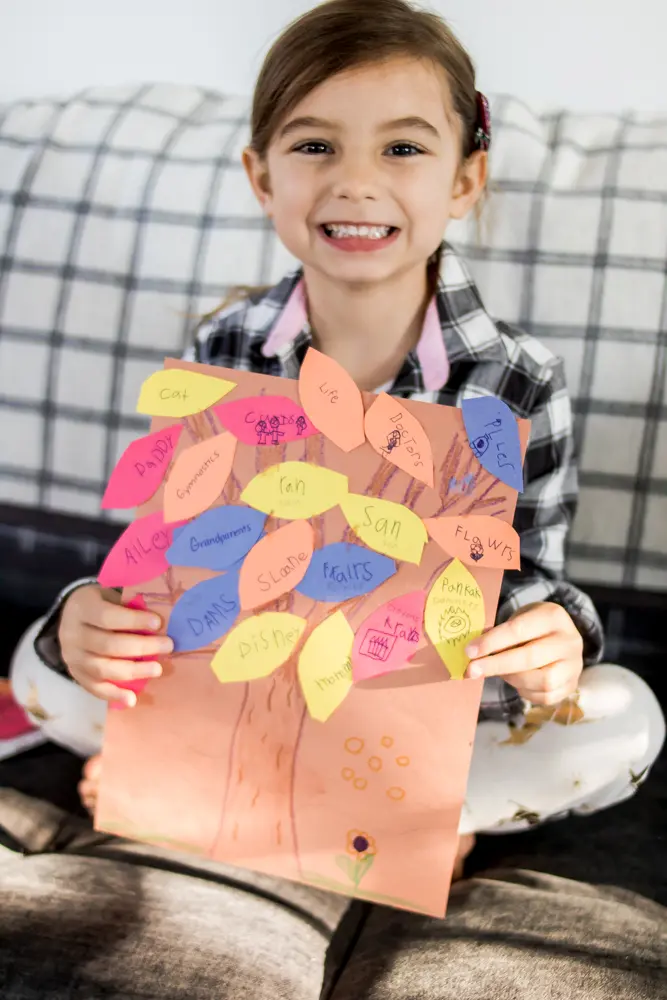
(365, 232)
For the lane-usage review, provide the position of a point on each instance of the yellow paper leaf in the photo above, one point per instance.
(325, 668)
(454, 615)
(176, 392)
(291, 490)
(258, 646)
(387, 527)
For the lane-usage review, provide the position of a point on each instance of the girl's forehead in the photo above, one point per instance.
(387, 89)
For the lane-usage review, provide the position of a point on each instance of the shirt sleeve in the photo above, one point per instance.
(544, 515)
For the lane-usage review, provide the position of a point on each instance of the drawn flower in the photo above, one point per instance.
(360, 845)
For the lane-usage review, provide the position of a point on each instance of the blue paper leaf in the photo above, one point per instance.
(340, 571)
(493, 434)
(217, 539)
(205, 613)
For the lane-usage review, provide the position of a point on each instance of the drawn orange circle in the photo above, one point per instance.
(402, 761)
(360, 783)
(347, 774)
(396, 793)
(354, 745)
(375, 763)
(387, 741)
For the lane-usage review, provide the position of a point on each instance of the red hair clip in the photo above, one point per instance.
(483, 123)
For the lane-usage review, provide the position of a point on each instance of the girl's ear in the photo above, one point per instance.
(258, 175)
(469, 184)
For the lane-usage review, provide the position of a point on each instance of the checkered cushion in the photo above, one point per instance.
(124, 213)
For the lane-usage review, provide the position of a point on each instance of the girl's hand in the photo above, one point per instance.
(539, 651)
(98, 646)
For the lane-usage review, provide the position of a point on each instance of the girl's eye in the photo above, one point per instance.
(404, 149)
(313, 148)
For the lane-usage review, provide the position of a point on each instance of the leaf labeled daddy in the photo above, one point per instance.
(291, 490)
(258, 646)
(198, 477)
(386, 526)
(397, 435)
(140, 469)
(178, 392)
(276, 564)
(265, 420)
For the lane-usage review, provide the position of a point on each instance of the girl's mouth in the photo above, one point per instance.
(358, 237)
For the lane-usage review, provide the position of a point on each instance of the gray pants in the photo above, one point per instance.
(109, 918)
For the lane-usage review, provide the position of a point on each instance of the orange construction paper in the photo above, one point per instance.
(276, 564)
(198, 477)
(477, 540)
(332, 400)
(396, 434)
(222, 757)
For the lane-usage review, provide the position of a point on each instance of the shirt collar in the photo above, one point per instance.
(456, 326)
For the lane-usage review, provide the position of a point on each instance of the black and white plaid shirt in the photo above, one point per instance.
(486, 358)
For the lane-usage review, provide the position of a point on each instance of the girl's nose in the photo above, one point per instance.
(355, 181)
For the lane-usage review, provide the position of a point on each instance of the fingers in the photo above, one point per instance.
(99, 608)
(532, 623)
(531, 657)
(122, 645)
(548, 686)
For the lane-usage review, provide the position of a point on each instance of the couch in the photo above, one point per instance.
(124, 215)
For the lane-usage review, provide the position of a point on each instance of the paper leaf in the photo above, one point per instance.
(292, 490)
(340, 571)
(397, 435)
(265, 420)
(389, 637)
(477, 539)
(205, 612)
(217, 539)
(332, 400)
(325, 672)
(140, 469)
(258, 646)
(386, 526)
(137, 684)
(139, 553)
(198, 477)
(493, 434)
(176, 392)
(276, 564)
(454, 615)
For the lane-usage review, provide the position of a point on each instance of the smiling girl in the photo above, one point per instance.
(368, 136)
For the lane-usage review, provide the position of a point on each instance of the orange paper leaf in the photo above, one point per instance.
(398, 436)
(331, 400)
(198, 477)
(477, 540)
(276, 564)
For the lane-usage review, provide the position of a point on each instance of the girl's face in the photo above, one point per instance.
(363, 176)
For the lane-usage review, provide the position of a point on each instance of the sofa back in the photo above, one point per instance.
(125, 214)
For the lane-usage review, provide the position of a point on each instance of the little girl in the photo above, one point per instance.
(368, 136)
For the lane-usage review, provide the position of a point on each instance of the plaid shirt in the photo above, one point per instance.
(486, 358)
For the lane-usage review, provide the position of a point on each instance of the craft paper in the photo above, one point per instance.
(332, 400)
(325, 671)
(198, 477)
(493, 435)
(265, 420)
(292, 490)
(389, 637)
(477, 540)
(217, 539)
(205, 613)
(397, 435)
(341, 571)
(253, 749)
(258, 646)
(139, 553)
(179, 393)
(276, 564)
(140, 469)
(454, 615)
(385, 526)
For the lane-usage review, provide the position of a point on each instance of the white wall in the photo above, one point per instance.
(590, 54)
